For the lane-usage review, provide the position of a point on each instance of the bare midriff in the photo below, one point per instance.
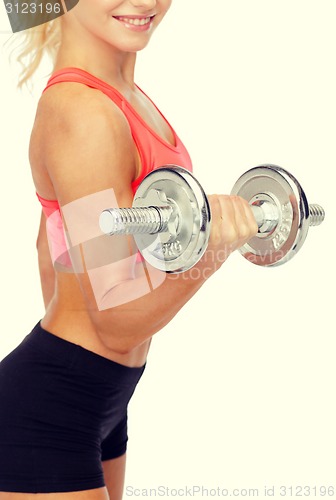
(67, 317)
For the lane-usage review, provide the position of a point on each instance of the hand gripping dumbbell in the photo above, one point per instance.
(170, 218)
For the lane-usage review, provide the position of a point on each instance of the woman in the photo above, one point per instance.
(65, 389)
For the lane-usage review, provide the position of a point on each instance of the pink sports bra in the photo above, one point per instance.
(153, 150)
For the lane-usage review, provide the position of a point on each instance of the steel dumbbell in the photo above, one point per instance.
(170, 218)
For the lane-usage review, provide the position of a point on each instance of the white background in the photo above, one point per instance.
(239, 390)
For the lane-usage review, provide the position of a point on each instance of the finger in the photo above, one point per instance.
(216, 219)
(250, 218)
(229, 229)
(222, 219)
(243, 225)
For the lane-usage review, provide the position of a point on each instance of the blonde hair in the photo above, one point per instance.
(37, 41)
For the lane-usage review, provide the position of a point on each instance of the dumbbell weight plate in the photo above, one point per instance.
(181, 249)
(275, 184)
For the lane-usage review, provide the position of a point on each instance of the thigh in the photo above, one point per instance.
(63, 412)
(96, 494)
(114, 475)
(114, 459)
(49, 427)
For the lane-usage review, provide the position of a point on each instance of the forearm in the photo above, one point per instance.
(127, 326)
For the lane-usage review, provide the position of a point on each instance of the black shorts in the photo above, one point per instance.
(63, 410)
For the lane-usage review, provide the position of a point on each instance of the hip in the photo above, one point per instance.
(76, 326)
(46, 364)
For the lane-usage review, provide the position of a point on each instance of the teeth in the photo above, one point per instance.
(136, 22)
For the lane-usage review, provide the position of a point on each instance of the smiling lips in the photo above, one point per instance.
(135, 23)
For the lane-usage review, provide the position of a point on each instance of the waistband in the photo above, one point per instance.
(75, 355)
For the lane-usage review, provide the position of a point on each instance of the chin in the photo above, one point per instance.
(132, 47)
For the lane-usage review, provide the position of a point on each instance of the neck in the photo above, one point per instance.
(98, 58)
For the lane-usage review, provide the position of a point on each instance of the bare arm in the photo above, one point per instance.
(88, 150)
(47, 273)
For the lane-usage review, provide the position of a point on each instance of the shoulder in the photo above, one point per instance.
(84, 140)
(72, 106)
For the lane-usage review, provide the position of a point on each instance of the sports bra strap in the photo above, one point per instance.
(76, 75)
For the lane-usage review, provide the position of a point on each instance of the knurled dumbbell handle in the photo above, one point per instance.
(153, 220)
(142, 220)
